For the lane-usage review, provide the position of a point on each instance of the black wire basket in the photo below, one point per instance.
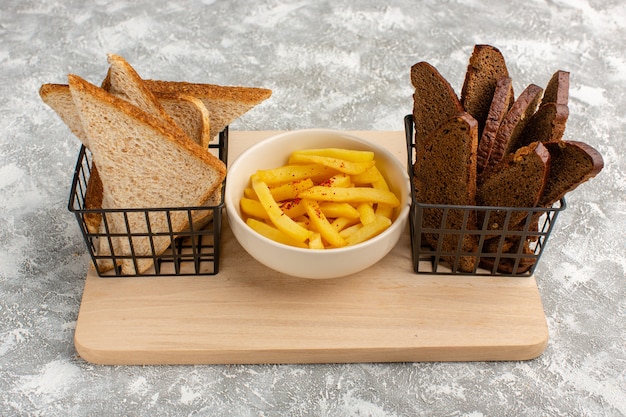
(194, 251)
(476, 240)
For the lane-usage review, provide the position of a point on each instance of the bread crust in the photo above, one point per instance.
(174, 135)
(223, 104)
(59, 99)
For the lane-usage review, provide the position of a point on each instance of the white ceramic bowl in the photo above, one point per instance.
(308, 263)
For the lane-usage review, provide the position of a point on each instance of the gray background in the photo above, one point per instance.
(342, 65)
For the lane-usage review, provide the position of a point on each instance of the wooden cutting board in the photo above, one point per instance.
(250, 314)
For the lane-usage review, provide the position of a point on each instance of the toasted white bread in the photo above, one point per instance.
(123, 81)
(143, 162)
(225, 103)
(188, 112)
(59, 99)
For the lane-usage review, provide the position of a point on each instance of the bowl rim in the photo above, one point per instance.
(403, 211)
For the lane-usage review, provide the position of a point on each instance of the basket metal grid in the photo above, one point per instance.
(507, 241)
(195, 251)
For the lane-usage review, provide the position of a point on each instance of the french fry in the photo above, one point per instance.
(341, 165)
(276, 215)
(323, 198)
(366, 212)
(315, 242)
(369, 230)
(340, 223)
(304, 221)
(335, 210)
(350, 195)
(322, 225)
(290, 190)
(349, 231)
(384, 210)
(273, 233)
(248, 192)
(339, 180)
(366, 178)
(379, 182)
(289, 173)
(252, 208)
(293, 208)
(347, 154)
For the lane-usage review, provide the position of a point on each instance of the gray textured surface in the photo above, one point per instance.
(330, 64)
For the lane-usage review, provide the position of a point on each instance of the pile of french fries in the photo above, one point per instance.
(323, 198)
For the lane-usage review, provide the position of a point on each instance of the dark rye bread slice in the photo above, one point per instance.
(445, 173)
(548, 123)
(557, 89)
(500, 105)
(486, 66)
(518, 181)
(510, 129)
(434, 99)
(571, 164)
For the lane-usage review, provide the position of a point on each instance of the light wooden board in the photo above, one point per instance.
(250, 314)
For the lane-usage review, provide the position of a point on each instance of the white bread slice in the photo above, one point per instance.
(225, 103)
(123, 81)
(143, 162)
(188, 112)
(59, 99)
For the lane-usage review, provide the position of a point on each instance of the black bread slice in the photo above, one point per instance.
(486, 66)
(571, 164)
(434, 100)
(500, 105)
(507, 138)
(445, 173)
(518, 181)
(557, 89)
(546, 125)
